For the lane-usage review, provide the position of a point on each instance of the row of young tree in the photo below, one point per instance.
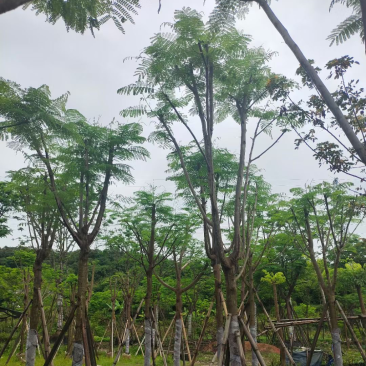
(198, 74)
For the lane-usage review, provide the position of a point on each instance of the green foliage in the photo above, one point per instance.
(86, 14)
(350, 26)
(273, 278)
(7, 202)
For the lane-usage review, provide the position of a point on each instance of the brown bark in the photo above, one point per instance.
(23, 335)
(81, 293)
(37, 284)
(7, 5)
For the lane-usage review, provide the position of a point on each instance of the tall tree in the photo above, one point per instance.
(148, 236)
(37, 202)
(87, 157)
(221, 77)
(328, 214)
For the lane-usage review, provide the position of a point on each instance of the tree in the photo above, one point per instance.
(182, 250)
(328, 214)
(355, 23)
(275, 279)
(148, 237)
(221, 77)
(37, 202)
(79, 15)
(225, 10)
(89, 158)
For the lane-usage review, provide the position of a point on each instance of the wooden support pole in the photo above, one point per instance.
(160, 345)
(241, 350)
(15, 328)
(223, 303)
(16, 345)
(166, 333)
(46, 338)
(138, 338)
(315, 340)
(224, 339)
(106, 329)
(275, 331)
(186, 339)
(138, 349)
(202, 333)
(61, 336)
(252, 343)
(85, 343)
(352, 332)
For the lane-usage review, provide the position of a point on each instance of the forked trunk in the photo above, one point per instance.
(177, 341)
(78, 351)
(32, 340)
(232, 308)
(219, 308)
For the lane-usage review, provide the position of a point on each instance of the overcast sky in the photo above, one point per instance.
(33, 52)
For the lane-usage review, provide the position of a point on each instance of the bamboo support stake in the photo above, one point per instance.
(241, 350)
(223, 303)
(252, 343)
(166, 333)
(16, 345)
(61, 336)
(352, 332)
(224, 339)
(315, 340)
(202, 334)
(106, 329)
(46, 338)
(138, 349)
(138, 338)
(276, 331)
(160, 345)
(14, 329)
(186, 339)
(85, 343)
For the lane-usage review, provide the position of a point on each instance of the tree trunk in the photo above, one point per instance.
(148, 319)
(32, 340)
(252, 313)
(360, 298)
(26, 279)
(334, 329)
(232, 307)
(128, 328)
(219, 308)
(189, 325)
(177, 340)
(312, 74)
(78, 351)
(60, 313)
(278, 317)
